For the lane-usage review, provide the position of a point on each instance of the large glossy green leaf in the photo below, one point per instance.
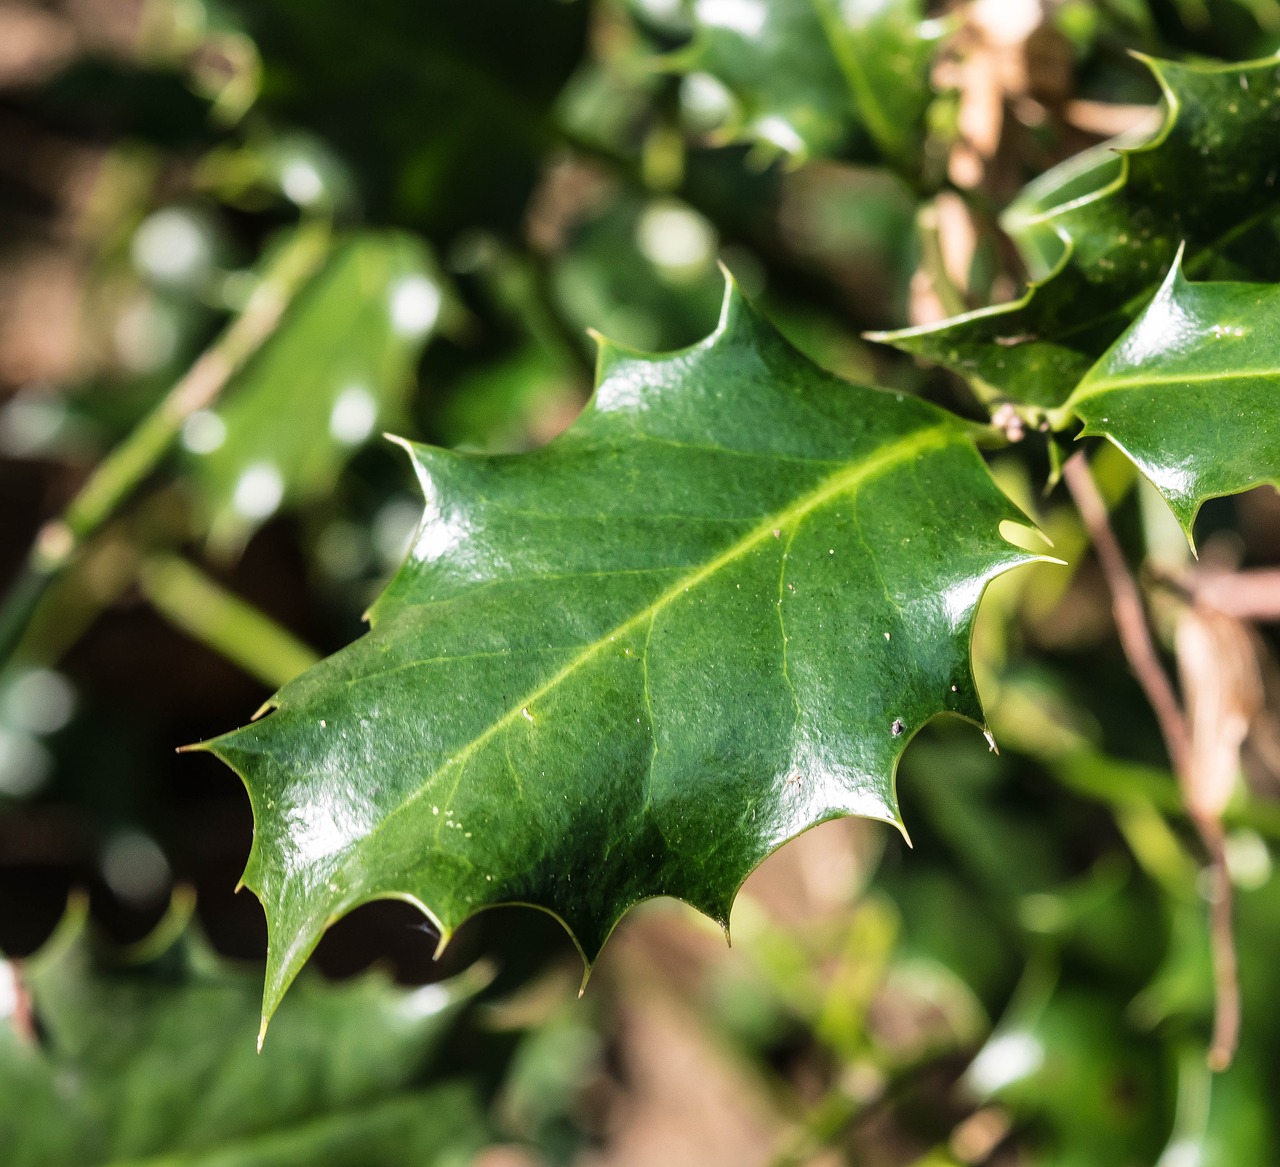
(813, 76)
(153, 1061)
(708, 616)
(1191, 391)
(338, 369)
(1206, 178)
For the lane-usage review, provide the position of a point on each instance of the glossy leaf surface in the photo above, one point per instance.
(813, 76)
(155, 1062)
(335, 373)
(708, 616)
(1191, 392)
(1208, 176)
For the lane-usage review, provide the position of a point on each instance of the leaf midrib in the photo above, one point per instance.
(1101, 388)
(938, 435)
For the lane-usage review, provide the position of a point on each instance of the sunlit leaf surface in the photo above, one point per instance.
(632, 663)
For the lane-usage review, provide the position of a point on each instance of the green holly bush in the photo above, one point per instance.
(764, 379)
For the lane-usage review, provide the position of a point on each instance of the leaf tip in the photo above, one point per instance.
(1174, 278)
(1028, 537)
(733, 300)
(262, 1031)
(608, 353)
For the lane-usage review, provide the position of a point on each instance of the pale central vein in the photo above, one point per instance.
(1104, 385)
(847, 479)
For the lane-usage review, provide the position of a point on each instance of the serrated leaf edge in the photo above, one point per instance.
(946, 432)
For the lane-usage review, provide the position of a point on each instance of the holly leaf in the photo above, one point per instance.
(152, 1059)
(633, 663)
(339, 367)
(1189, 392)
(1205, 179)
(814, 76)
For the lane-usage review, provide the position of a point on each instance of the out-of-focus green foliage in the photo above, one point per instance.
(812, 76)
(441, 109)
(336, 374)
(142, 1058)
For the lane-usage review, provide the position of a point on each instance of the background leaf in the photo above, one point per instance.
(814, 76)
(444, 109)
(1206, 180)
(1189, 392)
(339, 368)
(155, 1057)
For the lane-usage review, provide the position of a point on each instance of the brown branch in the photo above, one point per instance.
(1139, 649)
(1246, 595)
(1130, 615)
(1226, 1013)
(22, 1018)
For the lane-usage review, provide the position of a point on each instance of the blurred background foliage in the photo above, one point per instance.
(482, 183)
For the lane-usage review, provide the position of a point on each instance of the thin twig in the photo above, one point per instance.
(1139, 648)
(1130, 615)
(934, 262)
(115, 478)
(1246, 595)
(22, 1018)
(1226, 1013)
